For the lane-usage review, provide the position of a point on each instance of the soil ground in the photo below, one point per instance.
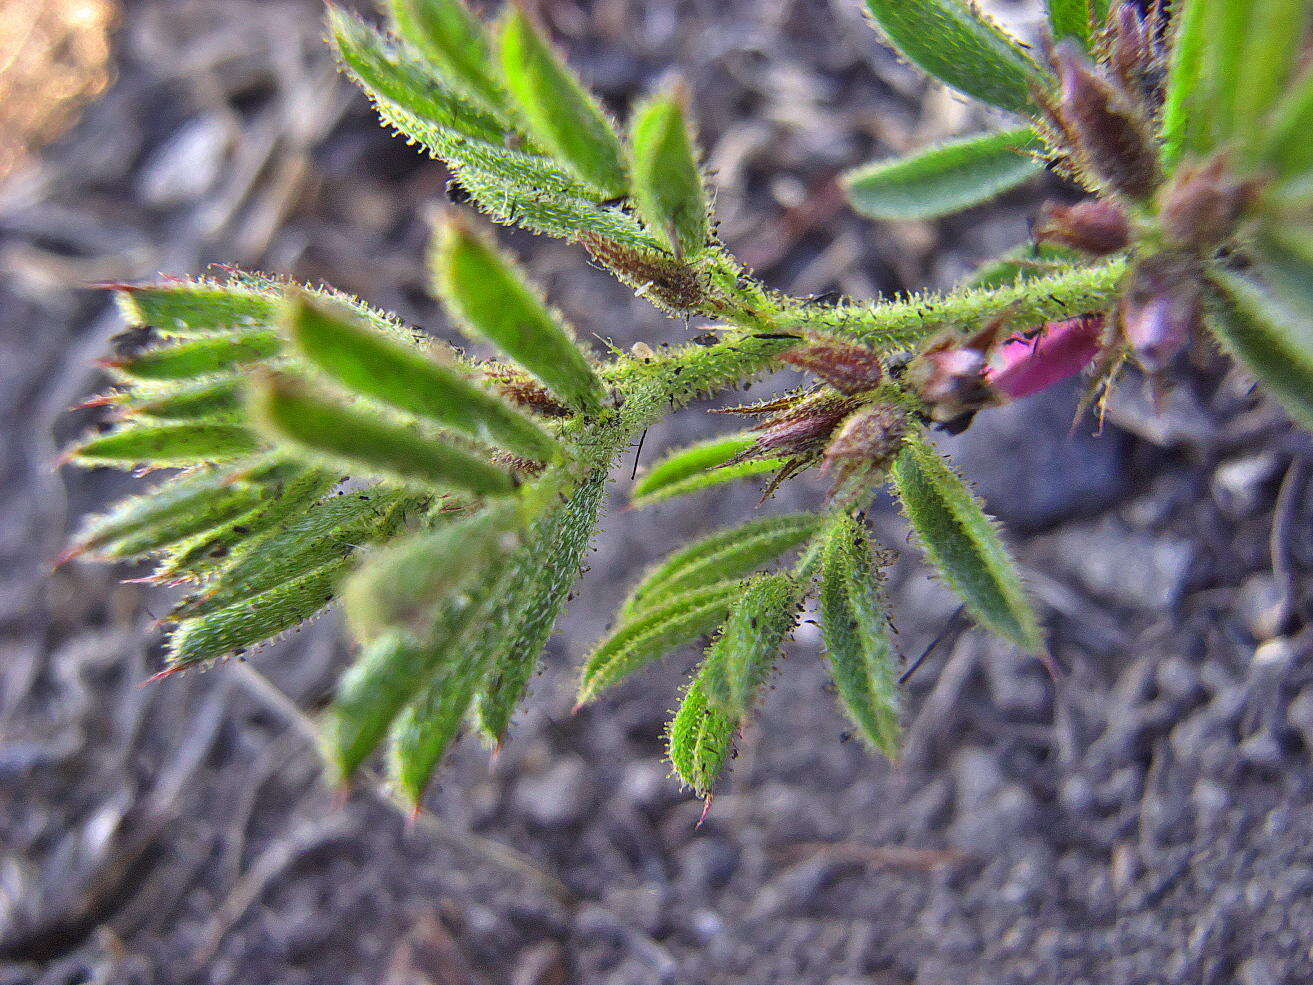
(1147, 820)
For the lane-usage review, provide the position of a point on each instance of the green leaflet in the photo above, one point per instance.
(288, 412)
(1286, 254)
(1027, 262)
(1179, 129)
(387, 73)
(427, 725)
(368, 364)
(957, 45)
(401, 586)
(560, 215)
(729, 553)
(331, 530)
(451, 581)
(738, 663)
(294, 489)
(555, 108)
(370, 694)
(1272, 340)
(944, 179)
(654, 632)
(199, 308)
(545, 569)
(208, 400)
(195, 308)
(857, 635)
(1270, 51)
(493, 300)
(699, 740)
(454, 42)
(1287, 147)
(174, 510)
(963, 545)
(667, 182)
(479, 162)
(254, 620)
(197, 357)
(696, 467)
(1225, 25)
(166, 445)
(1071, 19)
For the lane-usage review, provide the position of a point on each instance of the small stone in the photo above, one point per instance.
(1238, 485)
(542, 964)
(186, 165)
(556, 797)
(1263, 606)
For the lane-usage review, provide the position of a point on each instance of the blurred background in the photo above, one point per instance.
(1147, 820)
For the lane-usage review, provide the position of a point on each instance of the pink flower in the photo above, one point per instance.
(1024, 365)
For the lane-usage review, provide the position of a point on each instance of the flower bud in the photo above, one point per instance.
(1202, 205)
(802, 430)
(1112, 139)
(1095, 226)
(863, 447)
(1161, 310)
(951, 381)
(1131, 54)
(848, 368)
(870, 436)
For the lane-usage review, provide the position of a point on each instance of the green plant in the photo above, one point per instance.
(476, 485)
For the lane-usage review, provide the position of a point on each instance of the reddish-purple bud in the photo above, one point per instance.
(848, 368)
(951, 381)
(1025, 365)
(1096, 226)
(869, 437)
(1131, 53)
(862, 449)
(1161, 310)
(1113, 140)
(1201, 207)
(802, 430)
